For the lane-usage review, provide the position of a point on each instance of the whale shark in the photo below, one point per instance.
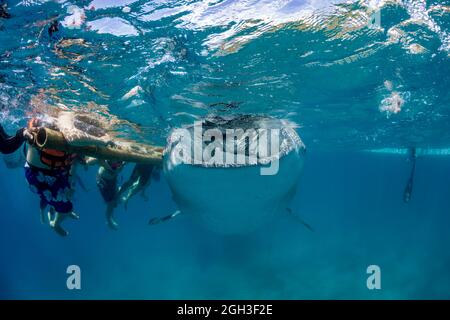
(231, 198)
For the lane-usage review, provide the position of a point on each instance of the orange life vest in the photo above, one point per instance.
(52, 157)
(56, 159)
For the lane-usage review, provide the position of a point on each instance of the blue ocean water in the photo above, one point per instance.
(150, 66)
(353, 202)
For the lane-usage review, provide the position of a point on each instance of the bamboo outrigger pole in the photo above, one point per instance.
(45, 138)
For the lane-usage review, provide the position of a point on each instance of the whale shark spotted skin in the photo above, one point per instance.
(420, 152)
(235, 199)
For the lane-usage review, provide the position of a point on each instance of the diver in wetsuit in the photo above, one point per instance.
(409, 185)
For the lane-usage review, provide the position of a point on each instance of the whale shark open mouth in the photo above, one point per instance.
(233, 141)
(222, 170)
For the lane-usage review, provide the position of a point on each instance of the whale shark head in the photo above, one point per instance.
(234, 174)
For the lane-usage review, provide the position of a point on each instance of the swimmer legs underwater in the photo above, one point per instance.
(409, 186)
(139, 180)
(107, 184)
(48, 173)
(55, 144)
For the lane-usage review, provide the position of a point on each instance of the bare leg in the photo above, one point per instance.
(165, 218)
(110, 215)
(138, 181)
(55, 222)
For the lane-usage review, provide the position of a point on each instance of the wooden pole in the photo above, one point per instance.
(46, 138)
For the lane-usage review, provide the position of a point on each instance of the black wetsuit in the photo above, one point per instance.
(409, 186)
(9, 144)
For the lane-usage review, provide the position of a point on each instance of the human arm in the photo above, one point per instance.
(9, 144)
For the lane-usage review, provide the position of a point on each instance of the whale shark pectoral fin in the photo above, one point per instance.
(299, 219)
(158, 220)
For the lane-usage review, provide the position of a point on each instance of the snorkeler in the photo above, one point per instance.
(409, 185)
(107, 184)
(48, 173)
(139, 180)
